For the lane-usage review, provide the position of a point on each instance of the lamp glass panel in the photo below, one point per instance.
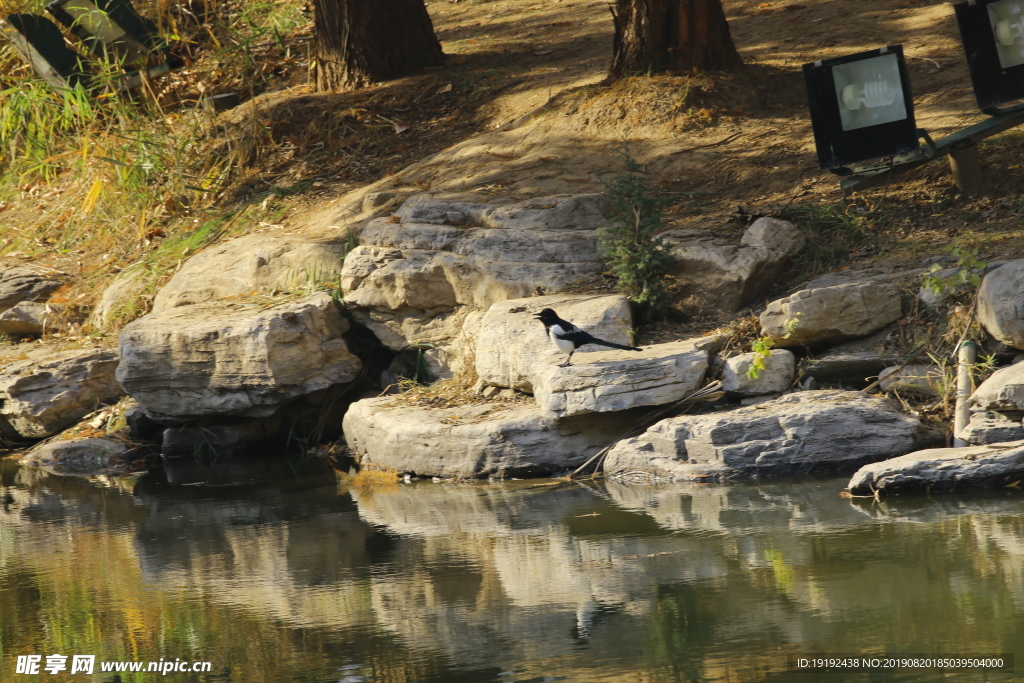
(870, 91)
(1007, 17)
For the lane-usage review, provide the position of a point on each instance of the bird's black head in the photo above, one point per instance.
(547, 316)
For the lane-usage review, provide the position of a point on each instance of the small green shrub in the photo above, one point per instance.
(635, 253)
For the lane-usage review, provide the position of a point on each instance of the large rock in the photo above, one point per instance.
(412, 282)
(943, 469)
(512, 346)
(729, 277)
(797, 433)
(23, 283)
(857, 361)
(31, 319)
(1004, 390)
(813, 317)
(42, 395)
(81, 457)
(1001, 303)
(473, 441)
(774, 378)
(992, 427)
(618, 380)
(917, 379)
(249, 265)
(224, 358)
(124, 299)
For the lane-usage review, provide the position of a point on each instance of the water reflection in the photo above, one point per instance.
(289, 577)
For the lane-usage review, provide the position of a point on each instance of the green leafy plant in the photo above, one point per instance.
(762, 349)
(635, 253)
(968, 264)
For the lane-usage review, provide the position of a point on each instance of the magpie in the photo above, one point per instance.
(567, 337)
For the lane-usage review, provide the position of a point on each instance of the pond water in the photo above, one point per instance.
(295, 576)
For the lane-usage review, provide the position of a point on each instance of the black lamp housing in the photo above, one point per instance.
(41, 44)
(861, 106)
(992, 32)
(109, 28)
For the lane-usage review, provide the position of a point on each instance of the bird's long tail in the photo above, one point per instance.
(602, 342)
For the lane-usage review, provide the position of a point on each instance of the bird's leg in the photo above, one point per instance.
(568, 361)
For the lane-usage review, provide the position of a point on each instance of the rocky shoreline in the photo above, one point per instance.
(268, 340)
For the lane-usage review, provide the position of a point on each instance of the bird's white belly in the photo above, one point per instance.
(563, 345)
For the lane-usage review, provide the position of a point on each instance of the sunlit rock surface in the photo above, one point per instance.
(227, 358)
(801, 432)
(416, 275)
(1001, 303)
(943, 469)
(609, 381)
(46, 391)
(828, 315)
(474, 440)
(253, 264)
(512, 345)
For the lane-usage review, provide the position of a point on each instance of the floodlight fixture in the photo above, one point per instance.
(109, 28)
(992, 32)
(41, 44)
(861, 107)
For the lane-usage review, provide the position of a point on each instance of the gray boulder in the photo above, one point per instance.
(729, 277)
(859, 360)
(512, 346)
(474, 441)
(44, 394)
(225, 358)
(1003, 390)
(1001, 303)
(917, 379)
(80, 457)
(250, 265)
(609, 381)
(775, 378)
(796, 433)
(828, 315)
(413, 282)
(31, 319)
(991, 426)
(943, 469)
(24, 283)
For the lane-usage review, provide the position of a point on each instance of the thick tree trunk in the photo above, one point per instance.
(361, 42)
(683, 35)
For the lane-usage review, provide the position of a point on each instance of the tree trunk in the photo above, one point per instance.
(683, 35)
(362, 42)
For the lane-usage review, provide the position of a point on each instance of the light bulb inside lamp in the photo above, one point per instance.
(869, 91)
(880, 93)
(1007, 17)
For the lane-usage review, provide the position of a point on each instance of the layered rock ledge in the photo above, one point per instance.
(943, 469)
(474, 441)
(228, 358)
(797, 433)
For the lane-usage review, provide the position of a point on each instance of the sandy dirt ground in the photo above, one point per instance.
(717, 141)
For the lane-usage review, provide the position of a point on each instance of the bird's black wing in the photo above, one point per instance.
(573, 334)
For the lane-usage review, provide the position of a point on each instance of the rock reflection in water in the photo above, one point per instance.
(294, 578)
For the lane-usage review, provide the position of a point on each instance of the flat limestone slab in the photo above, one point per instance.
(512, 345)
(228, 358)
(797, 433)
(608, 381)
(943, 469)
(473, 441)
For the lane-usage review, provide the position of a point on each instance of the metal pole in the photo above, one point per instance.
(964, 388)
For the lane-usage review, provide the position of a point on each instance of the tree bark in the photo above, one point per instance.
(683, 35)
(362, 42)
